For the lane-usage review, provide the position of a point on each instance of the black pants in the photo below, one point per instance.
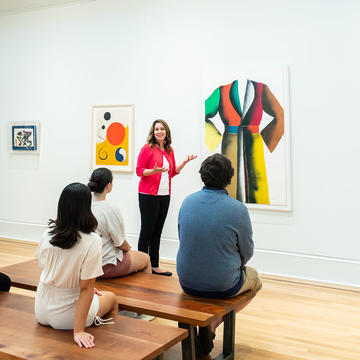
(5, 282)
(153, 210)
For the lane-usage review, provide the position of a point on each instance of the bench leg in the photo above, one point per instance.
(188, 344)
(159, 357)
(228, 337)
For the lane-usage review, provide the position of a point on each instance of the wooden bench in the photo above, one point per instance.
(159, 296)
(22, 337)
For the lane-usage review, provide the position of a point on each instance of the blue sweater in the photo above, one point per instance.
(215, 242)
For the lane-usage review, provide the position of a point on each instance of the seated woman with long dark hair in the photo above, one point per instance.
(70, 257)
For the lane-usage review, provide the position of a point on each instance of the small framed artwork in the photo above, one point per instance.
(113, 137)
(24, 137)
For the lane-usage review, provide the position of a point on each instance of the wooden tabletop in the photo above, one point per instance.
(24, 275)
(22, 337)
(156, 295)
(162, 296)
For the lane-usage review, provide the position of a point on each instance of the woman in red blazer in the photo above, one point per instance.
(156, 167)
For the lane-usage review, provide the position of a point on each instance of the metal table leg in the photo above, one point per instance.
(228, 337)
(188, 344)
(159, 357)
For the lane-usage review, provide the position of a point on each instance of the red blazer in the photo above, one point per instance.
(146, 160)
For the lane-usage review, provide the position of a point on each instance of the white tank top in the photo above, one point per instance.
(164, 181)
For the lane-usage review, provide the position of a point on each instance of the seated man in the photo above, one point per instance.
(215, 236)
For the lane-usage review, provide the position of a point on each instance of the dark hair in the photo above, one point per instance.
(73, 215)
(216, 171)
(99, 179)
(151, 137)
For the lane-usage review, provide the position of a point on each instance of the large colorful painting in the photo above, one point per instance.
(24, 137)
(246, 119)
(113, 137)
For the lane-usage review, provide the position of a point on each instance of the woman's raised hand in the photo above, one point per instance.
(189, 158)
(154, 170)
(157, 169)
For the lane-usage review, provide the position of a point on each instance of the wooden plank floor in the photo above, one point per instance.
(288, 319)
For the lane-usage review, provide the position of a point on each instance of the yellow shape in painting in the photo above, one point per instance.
(261, 194)
(105, 152)
(212, 136)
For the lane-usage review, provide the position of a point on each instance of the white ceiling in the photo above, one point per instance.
(8, 7)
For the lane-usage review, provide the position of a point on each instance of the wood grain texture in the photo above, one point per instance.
(166, 299)
(156, 295)
(22, 337)
(290, 319)
(24, 275)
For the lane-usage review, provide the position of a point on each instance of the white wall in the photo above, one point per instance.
(55, 64)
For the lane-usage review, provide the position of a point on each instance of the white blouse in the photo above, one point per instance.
(63, 268)
(164, 186)
(59, 287)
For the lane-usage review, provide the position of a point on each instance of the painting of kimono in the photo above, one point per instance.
(246, 120)
(113, 134)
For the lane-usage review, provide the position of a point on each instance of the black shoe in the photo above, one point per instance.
(165, 273)
(206, 338)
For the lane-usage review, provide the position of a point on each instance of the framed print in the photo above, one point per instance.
(113, 137)
(247, 119)
(24, 137)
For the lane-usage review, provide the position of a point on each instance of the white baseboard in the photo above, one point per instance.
(294, 265)
(307, 267)
(168, 247)
(300, 266)
(21, 231)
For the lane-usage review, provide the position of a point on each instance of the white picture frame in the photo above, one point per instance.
(277, 160)
(24, 137)
(113, 137)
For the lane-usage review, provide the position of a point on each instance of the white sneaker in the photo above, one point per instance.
(127, 313)
(145, 317)
(135, 315)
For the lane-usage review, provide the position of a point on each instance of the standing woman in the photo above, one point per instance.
(118, 258)
(156, 167)
(70, 256)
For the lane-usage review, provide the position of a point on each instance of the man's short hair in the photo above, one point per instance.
(216, 171)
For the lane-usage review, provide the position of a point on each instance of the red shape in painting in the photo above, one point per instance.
(115, 133)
